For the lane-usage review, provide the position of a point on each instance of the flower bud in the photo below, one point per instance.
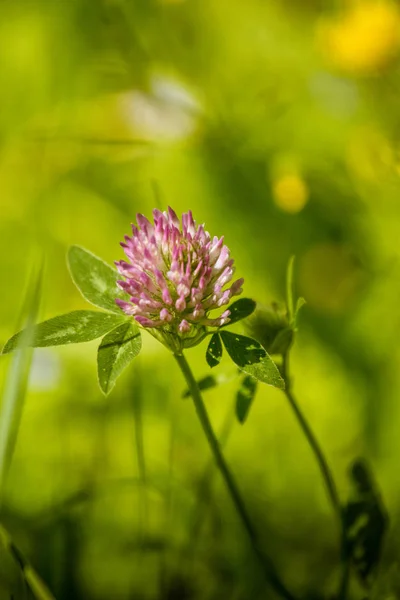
(270, 326)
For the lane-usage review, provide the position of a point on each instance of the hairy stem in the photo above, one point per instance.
(266, 563)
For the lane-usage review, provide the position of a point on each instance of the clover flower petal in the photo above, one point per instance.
(176, 274)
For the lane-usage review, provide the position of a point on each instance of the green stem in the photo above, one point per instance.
(268, 567)
(138, 424)
(344, 580)
(205, 484)
(325, 472)
(312, 440)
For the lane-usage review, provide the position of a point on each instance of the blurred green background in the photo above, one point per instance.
(278, 124)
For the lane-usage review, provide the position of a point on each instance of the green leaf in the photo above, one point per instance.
(243, 350)
(299, 305)
(95, 279)
(115, 352)
(210, 381)
(241, 309)
(252, 358)
(214, 351)
(365, 522)
(72, 328)
(36, 585)
(206, 383)
(245, 397)
(267, 372)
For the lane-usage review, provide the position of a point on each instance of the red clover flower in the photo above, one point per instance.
(176, 275)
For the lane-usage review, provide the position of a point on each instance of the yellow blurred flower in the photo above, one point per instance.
(364, 38)
(290, 193)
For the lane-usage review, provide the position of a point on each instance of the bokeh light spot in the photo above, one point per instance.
(290, 193)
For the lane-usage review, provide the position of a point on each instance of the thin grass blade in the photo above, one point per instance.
(16, 383)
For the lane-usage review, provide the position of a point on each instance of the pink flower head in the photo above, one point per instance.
(176, 274)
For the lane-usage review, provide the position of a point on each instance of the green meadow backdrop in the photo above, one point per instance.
(278, 124)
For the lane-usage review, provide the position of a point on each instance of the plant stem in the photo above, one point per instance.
(344, 580)
(206, 480)
(268, 567)
(141, 462)
(325, 471)
(312, 440)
